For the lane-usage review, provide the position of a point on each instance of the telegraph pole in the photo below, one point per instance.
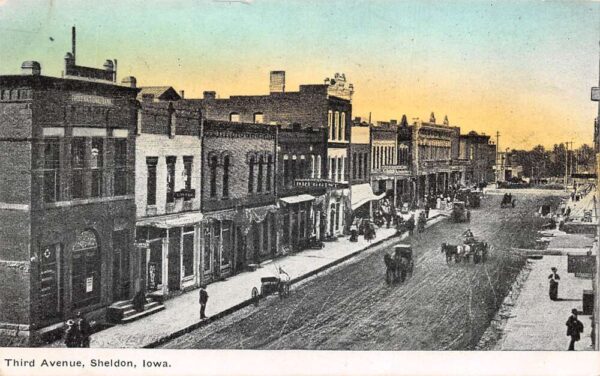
(497, 157)
(566, 162)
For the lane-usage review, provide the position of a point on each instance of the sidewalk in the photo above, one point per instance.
(182, 312)
(538, 323)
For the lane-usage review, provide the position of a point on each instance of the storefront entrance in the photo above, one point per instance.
(50, 281)
(85, 276)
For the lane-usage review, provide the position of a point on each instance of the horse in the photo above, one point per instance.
(450, 251)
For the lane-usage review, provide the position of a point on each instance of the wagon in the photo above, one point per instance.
(272, 285)
(460, 213)
(399, 265)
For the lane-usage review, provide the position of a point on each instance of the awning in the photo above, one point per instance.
(172, 220)
(297, 199)
(363, 193)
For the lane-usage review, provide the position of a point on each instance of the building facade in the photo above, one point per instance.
(238, 197)
(480, 156)
(168, 186)
(67, 232)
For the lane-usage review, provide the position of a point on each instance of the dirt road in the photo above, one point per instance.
(442, 307)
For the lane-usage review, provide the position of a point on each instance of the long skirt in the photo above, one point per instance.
(553, 290)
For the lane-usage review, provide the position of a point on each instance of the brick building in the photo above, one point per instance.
(312, 106)
(168, 186)
(301, 156)
(238, 197)
(436, 165)
(67, 216)
(480, 156)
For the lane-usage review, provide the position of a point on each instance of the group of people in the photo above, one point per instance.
(574, 325)
(78, 332)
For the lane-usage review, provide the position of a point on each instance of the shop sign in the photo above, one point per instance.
(185, 194)
(89, 284)
(581, 264)
(596, 94)
(142, 244)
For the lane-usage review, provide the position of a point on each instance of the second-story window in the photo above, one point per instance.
(286, 170)
(259, 183)
(354, 165)
(251, 163)
(330, 124)
(359, 165)
(171, 160)
(333, 168)
(120, 174)
(318, 174)
(259, 118)
(342, 131)
(188, 162)
(96, 165)
(51, 170)
(293, 171)
(151, 163)
(77, 167)
(340, 169)
(269, 173)
(336, 125)
(212, 164)
(366, 165)
(234, 117)
(226, 164)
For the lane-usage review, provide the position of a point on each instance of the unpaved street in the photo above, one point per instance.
(352, 308)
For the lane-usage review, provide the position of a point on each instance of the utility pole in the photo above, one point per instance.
(497, 157)
(566, 162)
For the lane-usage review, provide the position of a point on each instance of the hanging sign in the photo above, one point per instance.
(89, 284)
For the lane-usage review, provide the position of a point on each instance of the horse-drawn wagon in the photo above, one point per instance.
(460, 213)
(471, 250)
(508, 201)
(399, 265)
(271, 285)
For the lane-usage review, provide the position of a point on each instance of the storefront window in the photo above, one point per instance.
(227, 243)
(207, 246)
(188, 251)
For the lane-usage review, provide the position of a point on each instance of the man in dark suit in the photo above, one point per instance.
(574, 329)
(203, 300)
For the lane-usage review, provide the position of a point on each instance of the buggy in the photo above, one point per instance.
(272, 285)
(460, 213)
(398, 265)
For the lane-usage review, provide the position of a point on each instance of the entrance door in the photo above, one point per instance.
(85, 276)
(154, 271)
(121, 262)
(50, 303)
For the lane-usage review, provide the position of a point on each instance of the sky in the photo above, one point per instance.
(522, 68)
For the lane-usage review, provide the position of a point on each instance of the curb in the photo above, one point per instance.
(250, 301)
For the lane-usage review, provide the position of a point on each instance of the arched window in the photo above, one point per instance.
(226, 164)
(269, 173)
(259, 117)
(234, 117)
(251, 163)
(85, 275)
(213, 163)
(259, 184)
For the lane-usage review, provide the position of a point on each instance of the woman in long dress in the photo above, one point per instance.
(554, 278)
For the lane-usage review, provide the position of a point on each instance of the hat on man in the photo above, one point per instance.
(553, 269)
(574, 311)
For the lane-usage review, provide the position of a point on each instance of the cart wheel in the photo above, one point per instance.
(255, 296)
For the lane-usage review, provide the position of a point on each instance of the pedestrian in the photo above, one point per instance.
(85, 330)
(426, 210)
(554, 278)
(574, 329)
(203, 300)
(72, 335)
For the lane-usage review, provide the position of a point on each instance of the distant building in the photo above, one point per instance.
(480, 156)
(67, 216)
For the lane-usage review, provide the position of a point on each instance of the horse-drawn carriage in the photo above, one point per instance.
(460, 213)
(471, 249)
(508, 201)
(399, 265)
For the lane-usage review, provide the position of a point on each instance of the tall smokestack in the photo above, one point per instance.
(73, 41)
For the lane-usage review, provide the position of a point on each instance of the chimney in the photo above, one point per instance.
(31, 68)
(73, 40)
(277, 82)
(209, 95)
(129, 81)
(182, 94)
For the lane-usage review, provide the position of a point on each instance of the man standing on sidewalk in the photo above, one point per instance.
(574, 329)
(203, 299)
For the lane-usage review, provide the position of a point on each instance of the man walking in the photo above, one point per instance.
(203, 299)
(85, 330)
(574, 329)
